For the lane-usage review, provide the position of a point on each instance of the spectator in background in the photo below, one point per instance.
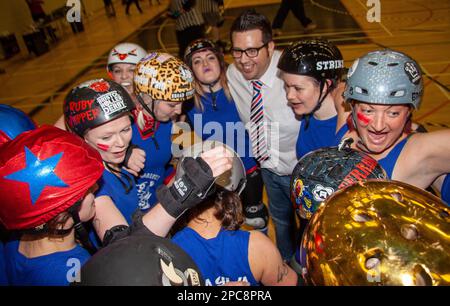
(189, 22)
(297, 8)
(37, 12)
(109, 8)
(212, 12)
(129, 2)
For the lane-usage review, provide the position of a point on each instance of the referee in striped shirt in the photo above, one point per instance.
(189, 22)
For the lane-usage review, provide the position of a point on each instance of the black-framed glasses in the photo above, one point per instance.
(250, 52)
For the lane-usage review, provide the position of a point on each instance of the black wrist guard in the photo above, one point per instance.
(128, 154)
(115, 233)
(189, 190)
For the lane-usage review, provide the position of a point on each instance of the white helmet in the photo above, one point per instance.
(125, 53)
(231, 180)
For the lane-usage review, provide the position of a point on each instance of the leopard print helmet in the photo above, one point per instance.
(164, 77)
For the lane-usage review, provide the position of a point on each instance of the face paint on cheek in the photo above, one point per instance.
(363, 118)
(103, 147)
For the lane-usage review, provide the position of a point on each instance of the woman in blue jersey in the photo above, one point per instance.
(47, 180)
(383, 89)
(162, 83)
(311, 71)
(122, 61)
(224, 253)
(214, 117)
(13, 122)
(99, 112)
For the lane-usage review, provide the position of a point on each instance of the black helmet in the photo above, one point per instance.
(318, 59)
(141, 260)
(320, 173)
(94, 103)
(201, 44)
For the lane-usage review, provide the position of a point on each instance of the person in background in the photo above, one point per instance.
(212, 11)
(129, 2)
(109, 8)
(36, 10)
(298, 9)
(189, 22)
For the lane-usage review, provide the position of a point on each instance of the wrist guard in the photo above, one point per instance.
(128, 154)
(189, 190)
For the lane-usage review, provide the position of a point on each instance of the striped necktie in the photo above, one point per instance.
(257, 135)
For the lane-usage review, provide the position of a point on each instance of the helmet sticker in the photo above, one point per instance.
(163, 57)
(101, 86)
(171, 275)
(321, 193)
(43, 169)
(353, 68)
(123, 56)
(186, 74)
(325, 65)
(413, 72)
(149, 56)
(298, 188)
(361, 171)
(98, 85)
(111, 103)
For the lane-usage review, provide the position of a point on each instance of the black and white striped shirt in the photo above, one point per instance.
(186, 19)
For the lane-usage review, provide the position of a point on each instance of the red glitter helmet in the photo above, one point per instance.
(44, 172)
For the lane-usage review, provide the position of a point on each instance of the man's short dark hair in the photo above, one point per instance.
(251, 20)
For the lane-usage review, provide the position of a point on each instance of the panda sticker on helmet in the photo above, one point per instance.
(321, 193)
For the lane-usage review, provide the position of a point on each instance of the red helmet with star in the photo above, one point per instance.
(44, 172)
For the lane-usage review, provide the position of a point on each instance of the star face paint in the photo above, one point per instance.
(103, 147)
(363, 118)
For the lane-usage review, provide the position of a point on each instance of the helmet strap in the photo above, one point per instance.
(80, 231)
(145, 106)
(319, 102)
(128, 185)
(213, 95)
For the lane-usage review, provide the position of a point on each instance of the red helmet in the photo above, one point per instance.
(44, 172)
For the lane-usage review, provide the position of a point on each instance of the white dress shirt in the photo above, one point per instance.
(284, 127)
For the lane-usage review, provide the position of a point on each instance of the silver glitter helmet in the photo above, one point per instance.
(385, 77)
(231, 180)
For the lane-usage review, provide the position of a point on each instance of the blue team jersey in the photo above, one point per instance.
(445, 189)
(3, 278)
(156, 165)
(109, 185)
(57, 269)
(319, 134)
(388, 162)
(220, 259)
(222, 123)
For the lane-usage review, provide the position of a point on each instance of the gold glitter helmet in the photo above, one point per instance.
(164, 77)
(379, 233)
